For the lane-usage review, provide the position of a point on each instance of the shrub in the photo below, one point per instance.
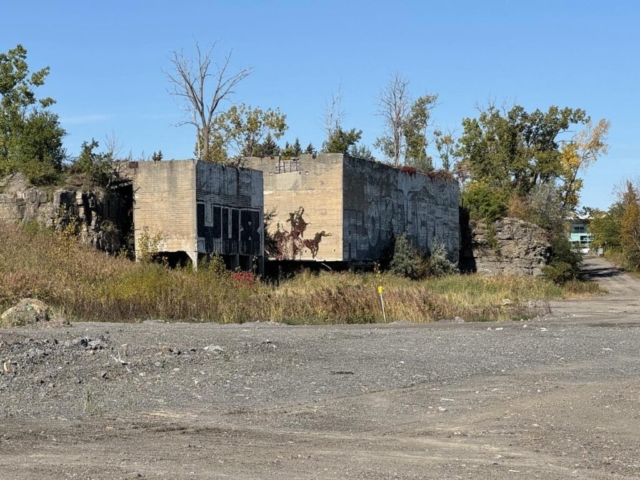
(560, 272)
(406, 261)
(564, 263)
(438, 265)
(485, 202)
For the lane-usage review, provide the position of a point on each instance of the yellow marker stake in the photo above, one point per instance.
(384, 315)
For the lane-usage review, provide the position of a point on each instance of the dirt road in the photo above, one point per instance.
(550, 398)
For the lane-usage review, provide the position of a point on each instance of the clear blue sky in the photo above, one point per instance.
(106, 62)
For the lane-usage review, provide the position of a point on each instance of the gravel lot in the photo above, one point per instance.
(555, 397)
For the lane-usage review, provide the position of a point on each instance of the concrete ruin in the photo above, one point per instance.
(356, 206)
(197, 209)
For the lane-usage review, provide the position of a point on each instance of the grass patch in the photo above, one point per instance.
(84, 284)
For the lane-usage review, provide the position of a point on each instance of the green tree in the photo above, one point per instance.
(582, 151)
(630, 226)
(287, 151)
(297, 148)
(98, 167)
(605, 227)
(361, 151)
(341, 140)
(445, 145)
(516, 150)
(406, 124)
(292, 151)
(268, 148)
(415, 131)
(30, 135)
(406, 261)
(510, 154)
(241, 129)
(310, 150)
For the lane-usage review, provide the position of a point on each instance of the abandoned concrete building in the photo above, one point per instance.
(351, 207)
(196, 209)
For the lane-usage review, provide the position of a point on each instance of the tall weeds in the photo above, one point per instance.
(83, 283)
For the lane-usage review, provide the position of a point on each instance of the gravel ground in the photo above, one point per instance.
(554, 397)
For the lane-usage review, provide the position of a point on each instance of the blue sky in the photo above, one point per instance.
(107, 58)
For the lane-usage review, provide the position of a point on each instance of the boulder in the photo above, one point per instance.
(29, 312)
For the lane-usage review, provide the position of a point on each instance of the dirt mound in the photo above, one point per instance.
(30, 312)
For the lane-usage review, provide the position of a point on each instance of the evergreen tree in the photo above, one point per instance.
(341, 140)
(297, 149)
(288, 151)
(268, 148)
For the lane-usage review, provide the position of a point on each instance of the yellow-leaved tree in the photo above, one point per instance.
(582, 151)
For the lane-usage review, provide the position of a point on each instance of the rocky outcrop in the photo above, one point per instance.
(98, 215)
(509, 246)
(30, 312)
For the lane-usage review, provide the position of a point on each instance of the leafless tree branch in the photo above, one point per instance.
(393, 107)
(333, 113)
(202, 98)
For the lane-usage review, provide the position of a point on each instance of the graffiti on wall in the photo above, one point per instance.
(290, 244)
(229, 231)
(416, 213)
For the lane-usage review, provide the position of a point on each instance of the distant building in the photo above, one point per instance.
(198, 209)
(579, 235)
(352, 207)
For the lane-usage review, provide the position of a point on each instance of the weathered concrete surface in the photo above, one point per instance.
(314, 184)
(230, 212)
(553, 398)
(165, 206)
(515, 247)
(198, 208)
(360, 203)
(380, 200)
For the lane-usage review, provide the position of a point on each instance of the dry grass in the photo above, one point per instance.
(82, 283)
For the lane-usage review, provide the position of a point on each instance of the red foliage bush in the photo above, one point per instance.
(247, 279)
(409, 170)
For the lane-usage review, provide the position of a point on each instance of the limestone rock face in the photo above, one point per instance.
(92, 211)
(515, 247)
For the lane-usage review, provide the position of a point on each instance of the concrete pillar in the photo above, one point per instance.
(194, 259)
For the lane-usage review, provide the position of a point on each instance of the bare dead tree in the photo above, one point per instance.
(393, 107)
(113, 146)
(201, 98)
(333, 113)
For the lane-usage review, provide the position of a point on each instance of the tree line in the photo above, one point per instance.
(509, 161)
(617, 230)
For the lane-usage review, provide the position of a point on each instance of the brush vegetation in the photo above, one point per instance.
(85, 284)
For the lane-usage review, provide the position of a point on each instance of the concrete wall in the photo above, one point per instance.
(229, 210)
(379, 199)
(165, 204)
(200, 208)
(315, 185)
(359, 202)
